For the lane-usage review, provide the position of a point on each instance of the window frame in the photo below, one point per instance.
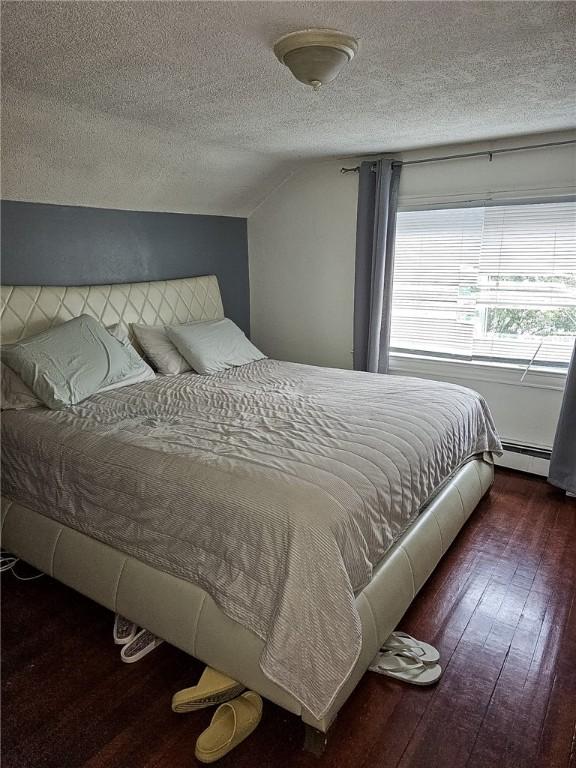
(506, 372)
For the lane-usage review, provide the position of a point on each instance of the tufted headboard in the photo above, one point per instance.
(27, 309)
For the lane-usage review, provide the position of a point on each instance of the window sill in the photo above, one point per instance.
(403, 364)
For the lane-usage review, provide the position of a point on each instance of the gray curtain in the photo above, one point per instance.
(375, 229)
(563, 459)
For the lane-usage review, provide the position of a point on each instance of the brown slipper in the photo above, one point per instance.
(212, 688)
(232, 723)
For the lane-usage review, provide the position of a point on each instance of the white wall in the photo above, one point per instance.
(302, 243)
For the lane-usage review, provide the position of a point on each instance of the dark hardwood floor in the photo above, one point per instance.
(500, 608)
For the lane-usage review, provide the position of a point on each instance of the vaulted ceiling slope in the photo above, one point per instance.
(181, 106)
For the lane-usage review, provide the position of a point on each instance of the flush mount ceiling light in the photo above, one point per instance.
(315, 56)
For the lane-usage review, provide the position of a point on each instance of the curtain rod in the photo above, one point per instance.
(487, 152)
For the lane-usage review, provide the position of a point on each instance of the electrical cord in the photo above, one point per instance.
(26, 578)
(9, 561)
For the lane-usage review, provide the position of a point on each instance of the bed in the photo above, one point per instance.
(274, 521)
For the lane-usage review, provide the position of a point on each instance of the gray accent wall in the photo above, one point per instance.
(70, 245)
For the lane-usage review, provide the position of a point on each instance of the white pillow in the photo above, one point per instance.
(120, 332)
(17, 395)
(159, 349)
(214, 345)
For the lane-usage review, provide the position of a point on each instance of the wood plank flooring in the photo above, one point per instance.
(501, 608)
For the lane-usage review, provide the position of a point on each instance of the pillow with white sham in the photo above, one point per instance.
(16, 396)
(120, 332)
(159, 349)
(65, 364)
(213, 345)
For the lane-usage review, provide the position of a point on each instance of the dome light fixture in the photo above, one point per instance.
(315, 56)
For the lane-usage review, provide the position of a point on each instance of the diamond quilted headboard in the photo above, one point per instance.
(27, 309)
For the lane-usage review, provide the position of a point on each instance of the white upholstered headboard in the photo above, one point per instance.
(27, 309)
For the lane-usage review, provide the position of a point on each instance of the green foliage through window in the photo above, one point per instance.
(536, 322)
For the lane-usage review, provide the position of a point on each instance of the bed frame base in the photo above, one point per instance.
(186, 616)
(315, 741)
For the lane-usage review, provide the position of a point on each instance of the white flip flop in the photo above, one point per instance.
(401, 641)
(139, 646)
(124, 630)
(406, 667)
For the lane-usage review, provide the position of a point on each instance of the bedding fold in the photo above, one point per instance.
(276, 487)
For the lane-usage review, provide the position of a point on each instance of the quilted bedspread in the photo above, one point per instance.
(276, 487)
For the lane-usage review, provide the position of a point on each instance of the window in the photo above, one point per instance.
(490, 284)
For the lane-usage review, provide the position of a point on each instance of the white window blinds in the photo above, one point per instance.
(487, 284)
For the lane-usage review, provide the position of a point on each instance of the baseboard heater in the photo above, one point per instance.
(529, 450)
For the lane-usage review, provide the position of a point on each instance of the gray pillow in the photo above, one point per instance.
(159, 349)
(213, 346)
(66, 364)
(16, 396)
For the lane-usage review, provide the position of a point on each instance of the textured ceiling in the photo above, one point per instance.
(182, 106)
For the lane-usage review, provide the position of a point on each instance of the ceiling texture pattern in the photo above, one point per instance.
(182, 106)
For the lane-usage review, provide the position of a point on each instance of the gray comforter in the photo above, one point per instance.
(276, 487)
